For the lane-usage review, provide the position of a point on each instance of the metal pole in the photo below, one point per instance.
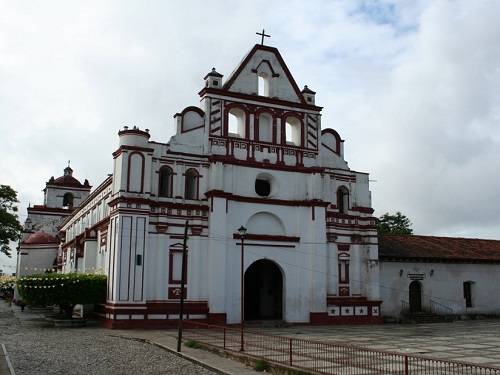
(242, 292)
(183, 281)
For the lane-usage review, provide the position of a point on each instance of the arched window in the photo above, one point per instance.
(135, 174)
(293, 130)
(236, 122)
(68, 200)
(265, 127)
(342, 199)
(165, 182)
(263, 84)
(191, 184)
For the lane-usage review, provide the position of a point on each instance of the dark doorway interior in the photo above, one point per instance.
(415, 296)
(263, 291)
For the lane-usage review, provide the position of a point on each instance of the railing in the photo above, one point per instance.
(326, 358)
(439, 308)
(434, 307)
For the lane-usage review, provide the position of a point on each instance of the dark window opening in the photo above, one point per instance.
(68, 200)
(165, 187)
(216, 83)
(262, 187)
(415, 296)
(468, 293)
(343, 199)
(191, 184)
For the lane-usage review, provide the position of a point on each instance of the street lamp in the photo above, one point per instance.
(242, 231)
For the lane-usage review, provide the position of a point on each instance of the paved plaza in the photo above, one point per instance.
(34, 348)
(475, 341)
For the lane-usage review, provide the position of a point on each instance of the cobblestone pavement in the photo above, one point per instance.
(475, 341)
(37, 349)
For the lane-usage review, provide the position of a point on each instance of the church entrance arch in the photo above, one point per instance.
(415, 296)
(263, 291)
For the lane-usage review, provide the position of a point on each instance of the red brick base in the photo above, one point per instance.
(322, 318)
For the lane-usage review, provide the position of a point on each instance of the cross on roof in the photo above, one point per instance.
(263, 34)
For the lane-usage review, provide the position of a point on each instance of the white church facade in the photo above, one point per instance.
(253, 154)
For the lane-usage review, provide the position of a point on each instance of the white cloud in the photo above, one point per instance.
(411, 86)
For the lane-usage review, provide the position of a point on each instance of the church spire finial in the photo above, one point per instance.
(68, 171)
(263, 34)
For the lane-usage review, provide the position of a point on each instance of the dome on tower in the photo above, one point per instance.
(67, 180)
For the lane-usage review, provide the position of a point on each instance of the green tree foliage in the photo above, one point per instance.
(394, 224)
(63, 289)
(10, 228)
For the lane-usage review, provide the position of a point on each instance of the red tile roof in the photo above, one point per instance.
(430, 248)
(67, 181)
(40, 238)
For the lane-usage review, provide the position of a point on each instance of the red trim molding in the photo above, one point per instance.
(264, 99)
(322, 318)
(267, 237)
(255, 164)
(279, 202)
(126, 148)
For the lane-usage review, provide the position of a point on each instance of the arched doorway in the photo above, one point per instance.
(415, 296)
(263, 291)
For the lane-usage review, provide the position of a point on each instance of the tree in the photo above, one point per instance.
(10, 228)
(394, 224)
(63, 289)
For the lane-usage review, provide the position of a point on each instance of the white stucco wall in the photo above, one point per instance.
(445, 285)
(40, 257)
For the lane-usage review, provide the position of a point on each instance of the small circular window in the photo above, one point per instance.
(262, 187)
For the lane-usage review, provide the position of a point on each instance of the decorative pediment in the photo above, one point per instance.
(264, 61)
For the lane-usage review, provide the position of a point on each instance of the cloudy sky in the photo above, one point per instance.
(412, 86)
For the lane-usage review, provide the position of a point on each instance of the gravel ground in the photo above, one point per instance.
(37, 349)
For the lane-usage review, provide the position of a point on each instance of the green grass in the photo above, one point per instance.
(192, 344)
(261, 365)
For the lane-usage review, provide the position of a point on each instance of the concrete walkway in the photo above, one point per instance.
(168, 341)
(5, 365)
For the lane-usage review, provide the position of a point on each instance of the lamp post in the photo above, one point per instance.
(242, 231)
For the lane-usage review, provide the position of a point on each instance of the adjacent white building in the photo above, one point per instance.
(444, 275)
(39, 244)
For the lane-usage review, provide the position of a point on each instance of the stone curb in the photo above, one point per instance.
(182, 355)
(7, 360)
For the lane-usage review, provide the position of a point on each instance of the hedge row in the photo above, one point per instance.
(7, 282)
(62, 289)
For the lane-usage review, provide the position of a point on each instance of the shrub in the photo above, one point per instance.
(261, 365)
(65, 290)
(7, 283)
(192, 344)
